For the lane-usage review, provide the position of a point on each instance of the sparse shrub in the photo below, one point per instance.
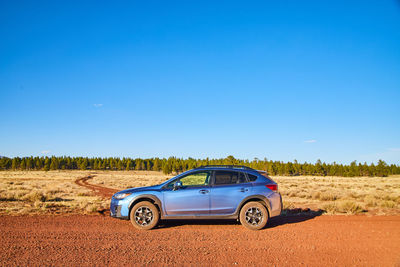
(391, 197)
(293, 193)
(388, 204)
(350, 207)
(84, 194)
(53, 191)
(302, 195)
(352, 195)
(37, 204)
(316, 195)
(35, 196)
(330, 208)
(91, 208)
(288, 205)
(7, 197)
(20, 195)
(328, 197)
(370, 201)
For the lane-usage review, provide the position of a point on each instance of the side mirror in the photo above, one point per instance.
(177, 185)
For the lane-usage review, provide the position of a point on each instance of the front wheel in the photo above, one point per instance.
(144, 215)
(254, 216)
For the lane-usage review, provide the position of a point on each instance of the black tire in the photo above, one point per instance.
(144, 215)
(254, 216)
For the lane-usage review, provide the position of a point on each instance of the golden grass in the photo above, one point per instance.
(342, 195)
(127, 179)
(27, 192)
(31, 192)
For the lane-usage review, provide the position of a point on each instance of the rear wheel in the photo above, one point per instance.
(254, 216)
(144, 215)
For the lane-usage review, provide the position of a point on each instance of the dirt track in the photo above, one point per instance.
(101, 240)
(97, 189)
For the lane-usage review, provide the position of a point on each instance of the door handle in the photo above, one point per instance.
(243, 190)
(203, 191)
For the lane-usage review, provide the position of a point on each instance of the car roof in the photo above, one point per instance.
(225, 167)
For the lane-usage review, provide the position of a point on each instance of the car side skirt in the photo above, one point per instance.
(199, 217)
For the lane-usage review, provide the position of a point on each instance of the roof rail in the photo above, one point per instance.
(226, 166)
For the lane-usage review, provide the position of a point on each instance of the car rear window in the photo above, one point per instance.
(229, 177)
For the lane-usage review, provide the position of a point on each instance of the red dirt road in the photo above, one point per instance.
(99, 190)
(101, 240)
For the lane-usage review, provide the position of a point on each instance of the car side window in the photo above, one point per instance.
(194, 179)
(252, 177)
(229, 177)
(242, 177)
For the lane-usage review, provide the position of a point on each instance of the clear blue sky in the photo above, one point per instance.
(285, 80)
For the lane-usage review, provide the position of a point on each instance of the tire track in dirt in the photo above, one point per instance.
(98, 190)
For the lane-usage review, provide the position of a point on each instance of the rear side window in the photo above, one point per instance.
(229, 177)
(252, 177)
(266, 176)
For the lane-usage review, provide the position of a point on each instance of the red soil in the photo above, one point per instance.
(287, 241)
(101, 240)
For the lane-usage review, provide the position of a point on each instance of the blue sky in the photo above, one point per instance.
(284, 80)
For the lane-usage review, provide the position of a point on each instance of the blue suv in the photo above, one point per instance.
(208, 192)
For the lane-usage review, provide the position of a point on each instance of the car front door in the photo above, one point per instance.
(192, 198)
(228, 190)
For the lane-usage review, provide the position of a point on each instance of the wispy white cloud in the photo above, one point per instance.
(310, 141)
(97, 105)
(394, 149)
(46, 152)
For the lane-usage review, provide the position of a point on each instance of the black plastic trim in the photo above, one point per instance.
(199, 217)
(152, 197)
(264, 199)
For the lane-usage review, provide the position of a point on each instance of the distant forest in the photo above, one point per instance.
(174, 165)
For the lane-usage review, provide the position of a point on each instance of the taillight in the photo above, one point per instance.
(273, 187)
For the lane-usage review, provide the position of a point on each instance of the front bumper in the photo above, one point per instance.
(115, 210)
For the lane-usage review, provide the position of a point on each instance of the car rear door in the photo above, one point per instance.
(228, 189)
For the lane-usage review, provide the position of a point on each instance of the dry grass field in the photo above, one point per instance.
(55, 192)
(342, 195)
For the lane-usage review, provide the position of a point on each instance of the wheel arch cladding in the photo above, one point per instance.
(150, 198)
(261, 199)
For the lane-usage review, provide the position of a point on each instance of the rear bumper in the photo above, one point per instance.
(276, 205)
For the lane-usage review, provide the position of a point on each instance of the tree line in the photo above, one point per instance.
(174, 165)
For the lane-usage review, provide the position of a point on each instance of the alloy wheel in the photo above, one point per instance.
(143, 216)
(254, 216)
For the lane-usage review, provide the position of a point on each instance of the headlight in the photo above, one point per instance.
(121, 195)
